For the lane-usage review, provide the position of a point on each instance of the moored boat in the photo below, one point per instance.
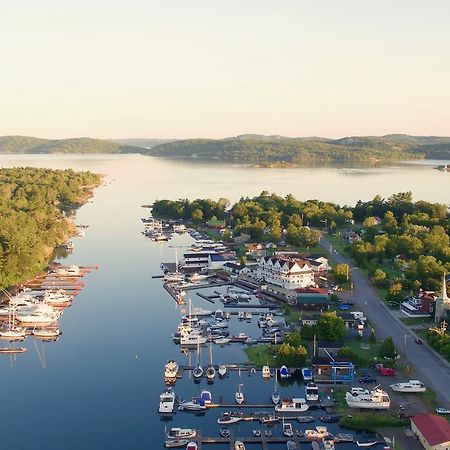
(318, 433)
(307, 374)
(222, 370)
(166, 401)
(266, 372)
(181, 433)
(239, 445)
(287, 429)
(363, 399)
(412, 386)
(174, 443)
(292, 405)
(171, 370)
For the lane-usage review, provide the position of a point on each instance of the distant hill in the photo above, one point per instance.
(278, 149)
(25, 144)
(249, 148)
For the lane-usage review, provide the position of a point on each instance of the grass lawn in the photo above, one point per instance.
(292, 315)
(368, 351)
(340, 406)
(370, 421)
(260, 355)
(417, 321)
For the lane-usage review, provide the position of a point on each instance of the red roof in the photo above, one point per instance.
(435, 429)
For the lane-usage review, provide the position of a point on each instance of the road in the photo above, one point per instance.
(429, 367)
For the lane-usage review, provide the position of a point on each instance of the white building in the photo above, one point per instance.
(286, 273)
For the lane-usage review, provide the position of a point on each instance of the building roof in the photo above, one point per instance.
(312, 290)
(214, 257)
(312, 299)
(233, 265)
(329, 344)
(435, 429)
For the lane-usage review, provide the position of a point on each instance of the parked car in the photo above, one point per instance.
(368, 379)
(387, 372)
(442, 411)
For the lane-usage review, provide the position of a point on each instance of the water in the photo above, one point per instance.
(98, 386)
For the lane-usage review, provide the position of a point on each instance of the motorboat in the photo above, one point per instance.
(198, 277)
(307, 374)
(256, 433)
(363, 399)
(224, 432)
(266, 372)
(205, 397)
(166, 401)
(192, 446)
(329, 419)
(239, 445)
(412, 386)
(344, 437)
(193, 405)
(269, 419)
(239, 396)
(219, 315)
(200, 312)
(291, 445)
(248, 316)
(222, 341)
(305, 419)
(174, 277)
(222, 370)
(268, 433)
(192, 339)
(181, 433)
(13, 334)
(45, 333)
(328, 443)
(366, 444)
(241, 337)
(284, 372)
(317, 434)
(227, 420)
(71, 271)
(241, 315)
(171, 370)
(179, 228)
(311, 392)
(197, 371)
(287, 429)
(292, 405)
(174, 443)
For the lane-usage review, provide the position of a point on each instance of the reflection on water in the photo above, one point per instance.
(101, 382)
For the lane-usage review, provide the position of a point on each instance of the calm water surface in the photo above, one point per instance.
(98, 386)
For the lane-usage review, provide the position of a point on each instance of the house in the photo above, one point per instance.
(232, 267)
(312, 298)
(432, 431)
(242, 239)
(286, 273)
(215, 261)
(319, 263)
(255, 250)
(420, 305)
(350, 236)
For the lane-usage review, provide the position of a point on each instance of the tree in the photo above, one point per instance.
(395, 293)
(380, 278)
(387, 348)
(197, 215)
(243, 261)
(370, 222)
(275, 232)
(330, 327)
(390, 222)
(292, 234)
(291, 356)
(341, 273)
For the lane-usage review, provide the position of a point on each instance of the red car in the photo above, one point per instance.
(387, 372)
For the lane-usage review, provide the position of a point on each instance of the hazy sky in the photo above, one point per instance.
(191, 68)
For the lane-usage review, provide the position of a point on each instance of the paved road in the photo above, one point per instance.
(430, 368)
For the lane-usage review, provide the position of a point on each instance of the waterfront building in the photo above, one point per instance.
(286, 273)
(432, 431)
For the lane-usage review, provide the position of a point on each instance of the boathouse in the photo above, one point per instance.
(432, 431)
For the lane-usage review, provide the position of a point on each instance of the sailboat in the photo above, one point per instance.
(276, 394)
(222, 370)
(197, 372)
(12, 332)
(210, 370)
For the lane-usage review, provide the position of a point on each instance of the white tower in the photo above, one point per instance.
(442, 304)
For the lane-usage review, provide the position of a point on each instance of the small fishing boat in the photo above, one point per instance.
(222, 370)
(239, 445)
(307, 374)
(174, 443)
(305, 419)
(328, 443)
(291, 445)
(266, 372)
(222, 341)
(239, 396)
(181, 433)
(171, 370)
(12, 350)
(241, 337)
(248, 316)
(287, 429)
(241, 315)
(284, 372)
(206, 397)
(329, 419)
(193, 405)
(226, 420)
(224, 432)
(366, 444)
(192, 446)
(256, 433)
(319, 433)
(268, 433)
(269, 419)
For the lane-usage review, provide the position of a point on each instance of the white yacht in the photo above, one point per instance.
(166, 401)
(311, 392)
(318, 434)
(45, 333)
(412, 386)
(173, 277)
(292, 405)
(192, 339)
(222, 370)
(71, 271)
(266, 372)
(239, 396)
(171, 370)
(362, 398)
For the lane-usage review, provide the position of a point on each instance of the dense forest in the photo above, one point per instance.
(24, 144)
(35, 206)
(266, 150)
(250, 148)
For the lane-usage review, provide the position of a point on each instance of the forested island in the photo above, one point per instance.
(35, 210)
(270, 151)
(259, 150)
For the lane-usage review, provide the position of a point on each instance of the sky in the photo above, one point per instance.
(210, 68)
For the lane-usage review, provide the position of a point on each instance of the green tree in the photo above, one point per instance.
(387, 348)
(341, 273)
(197, 215)
(330, 327)
(395, 293)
